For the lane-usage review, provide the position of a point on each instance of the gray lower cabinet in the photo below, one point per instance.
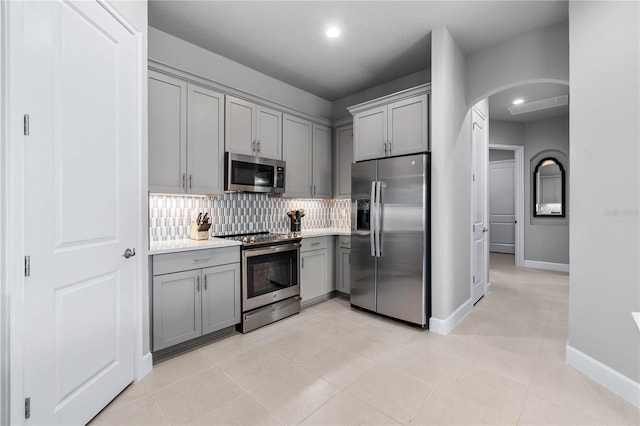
(316, 268)
(195, 302)
(343, 264)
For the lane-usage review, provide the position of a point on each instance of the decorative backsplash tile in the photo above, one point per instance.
(170, 216)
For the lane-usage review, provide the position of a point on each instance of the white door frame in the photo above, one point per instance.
(12, 201)
(518, 155)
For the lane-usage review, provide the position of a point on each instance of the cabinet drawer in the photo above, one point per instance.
(194, 259)
(315, 243)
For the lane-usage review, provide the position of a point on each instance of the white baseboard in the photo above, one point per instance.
(145, 366)
(605, 375)
(489, 288)
(445, 326)
(560, 267)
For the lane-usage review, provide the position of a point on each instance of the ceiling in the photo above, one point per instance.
(499, 102)
(380, 41)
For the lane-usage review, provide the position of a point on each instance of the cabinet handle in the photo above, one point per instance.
(314, 190)
(302, 262)
(258, 146)
(205, 283)
(315, 244)
(201, 259)
(389, 147)
(385, 147)
(198, 285)
(311, 190)
(253, 146)
(184, 180)
(190, 181)
(349, 259)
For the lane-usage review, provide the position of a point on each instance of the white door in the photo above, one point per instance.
(240, 126)
(478, 161)
(502, 214)
(370, 129)
(269, 132)
(81, 172)
(408, 126)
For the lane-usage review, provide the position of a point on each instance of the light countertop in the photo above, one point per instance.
(173, 246)
(162, 247)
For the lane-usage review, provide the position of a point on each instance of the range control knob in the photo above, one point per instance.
(253, 239)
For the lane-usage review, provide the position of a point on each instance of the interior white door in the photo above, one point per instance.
(478, 165)
(502, 213)
(81, 168)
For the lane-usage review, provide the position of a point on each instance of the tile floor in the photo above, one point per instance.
(333, 365)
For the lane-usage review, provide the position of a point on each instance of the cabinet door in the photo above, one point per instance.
(167, 133)
(269, 132)
(220, 297)
(344, 270)
(205, 143)
(322, 162)
(370, 130)
(409, 126)
(296, 146)
(344, 157)
(239, 136)
(176, 308)
(314, 281)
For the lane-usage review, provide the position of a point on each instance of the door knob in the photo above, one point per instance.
(484, 229)
(129, 253)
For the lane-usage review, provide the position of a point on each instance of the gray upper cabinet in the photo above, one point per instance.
(252, 129)
(397, 124)
(322, 164)
(185, 137)
(343, 149)
(307, 150)
(167, 133)
(297, 137)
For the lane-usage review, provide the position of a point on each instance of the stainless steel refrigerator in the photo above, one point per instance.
(390, 242)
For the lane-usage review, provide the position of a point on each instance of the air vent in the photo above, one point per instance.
(539, 105)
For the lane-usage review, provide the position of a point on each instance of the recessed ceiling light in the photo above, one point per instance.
(333, 32)
(518, 101)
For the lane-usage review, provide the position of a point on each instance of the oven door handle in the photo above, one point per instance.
(249, 252)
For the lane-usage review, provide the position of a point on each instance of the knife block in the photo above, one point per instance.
(196, 234)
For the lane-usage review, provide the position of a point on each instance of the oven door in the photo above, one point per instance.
(270, 274)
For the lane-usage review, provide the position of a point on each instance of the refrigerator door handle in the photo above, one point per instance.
(372, 218)
(378, 219)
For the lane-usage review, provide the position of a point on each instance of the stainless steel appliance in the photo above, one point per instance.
(390, 242)
(245, 173)
(270, 278)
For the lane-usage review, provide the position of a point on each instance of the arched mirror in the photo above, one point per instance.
(549, 188)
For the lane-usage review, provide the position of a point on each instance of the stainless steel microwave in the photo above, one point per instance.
(245, 173)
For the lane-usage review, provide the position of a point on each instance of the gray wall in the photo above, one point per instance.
(605, 182)
(183, 55)
(451, 178)
(540, 54)
(402, 83)
(500, 155)
(545, 239)
(136, 13)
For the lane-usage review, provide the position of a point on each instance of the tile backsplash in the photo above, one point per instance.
(170, 216)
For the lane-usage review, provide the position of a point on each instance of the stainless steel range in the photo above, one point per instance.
(270, 278)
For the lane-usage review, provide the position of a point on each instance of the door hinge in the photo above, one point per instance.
(474, 177)
(27, 407)
(27, 266)
(26, 124)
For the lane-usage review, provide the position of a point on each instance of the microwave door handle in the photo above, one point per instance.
(372, 218)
